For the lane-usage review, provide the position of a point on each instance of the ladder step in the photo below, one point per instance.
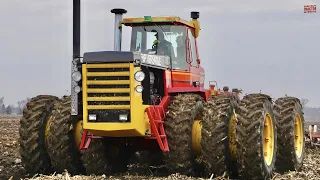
(158, 121)
(161, 136)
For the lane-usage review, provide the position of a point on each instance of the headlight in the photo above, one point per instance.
(139, 76)
(92, 117)
(77, 89)
(123, 117)
(76, 76)
(139, 88)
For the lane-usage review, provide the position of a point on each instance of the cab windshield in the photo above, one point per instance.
(166, 40)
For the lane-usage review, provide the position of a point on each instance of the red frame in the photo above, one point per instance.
(175, 81)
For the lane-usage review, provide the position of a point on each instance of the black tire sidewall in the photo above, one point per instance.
(268, 110)
(26, 152)
(299, 161)
(184, 151)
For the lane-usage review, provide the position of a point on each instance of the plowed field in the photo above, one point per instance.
(10, 162)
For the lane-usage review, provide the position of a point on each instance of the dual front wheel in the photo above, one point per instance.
(103, 156)
(49, 142)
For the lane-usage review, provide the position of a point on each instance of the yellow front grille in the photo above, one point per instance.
(106, 86)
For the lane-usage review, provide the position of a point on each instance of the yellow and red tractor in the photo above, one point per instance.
(152, 98)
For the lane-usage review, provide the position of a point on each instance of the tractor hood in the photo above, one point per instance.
(108, 56)
(157, 61)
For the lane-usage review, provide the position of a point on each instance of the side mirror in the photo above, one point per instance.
(195, 15)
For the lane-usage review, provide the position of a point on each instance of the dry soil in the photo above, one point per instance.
(11, 168)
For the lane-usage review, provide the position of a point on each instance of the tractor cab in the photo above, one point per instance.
(166, 40)
(166, 36)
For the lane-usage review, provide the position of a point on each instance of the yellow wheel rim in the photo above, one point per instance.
(298, 136)
(47, 129)
(232, 135)
(78, 131)
(268, 139)
(196, 136)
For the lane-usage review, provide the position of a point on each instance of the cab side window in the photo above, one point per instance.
(139, 41)
(192, 50)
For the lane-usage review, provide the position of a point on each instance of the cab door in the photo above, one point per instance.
(196, 72)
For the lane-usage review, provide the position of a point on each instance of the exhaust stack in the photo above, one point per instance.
(117, 28)
(76, 28)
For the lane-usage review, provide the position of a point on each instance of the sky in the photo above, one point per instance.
(265, 45)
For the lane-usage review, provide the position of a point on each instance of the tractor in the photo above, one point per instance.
(153, 98)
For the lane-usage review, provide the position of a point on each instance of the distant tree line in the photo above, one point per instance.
(310, 113)
(13, 109)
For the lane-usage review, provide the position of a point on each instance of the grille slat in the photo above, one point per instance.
(108, 74)
(107, 82)
(110, 90)
(109, 66)
(105, 107)
(108, 98)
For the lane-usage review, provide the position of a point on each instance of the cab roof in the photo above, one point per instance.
(149, 19)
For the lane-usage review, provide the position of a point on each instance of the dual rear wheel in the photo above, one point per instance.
(198, 135)
(243, 139)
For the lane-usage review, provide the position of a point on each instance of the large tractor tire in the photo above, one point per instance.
(181, 114)
(33, 129)
(64, 139)
(219, 135)
(150, 158)
(291, 140)
(257, 137)
(95, 158)
(103, 157)
(119, 155)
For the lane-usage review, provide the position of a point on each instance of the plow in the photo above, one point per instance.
(312, 136)
(153, 98)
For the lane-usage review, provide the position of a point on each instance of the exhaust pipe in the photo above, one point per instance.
(117, 28)
(76, 29)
